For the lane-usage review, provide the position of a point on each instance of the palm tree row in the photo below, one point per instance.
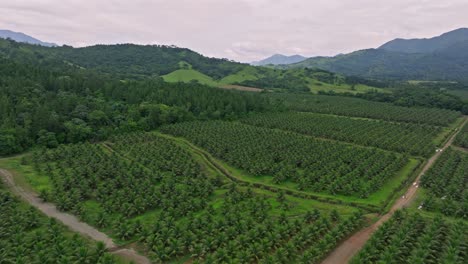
(314, 165)
(29, 237)
(355, 107)
(410, 238)
(400, 137)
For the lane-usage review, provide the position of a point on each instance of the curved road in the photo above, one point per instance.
(71, 221)
(343, 253)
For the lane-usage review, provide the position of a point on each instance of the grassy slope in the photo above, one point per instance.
(187, 74)
(248, 73)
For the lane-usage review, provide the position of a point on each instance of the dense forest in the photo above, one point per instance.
(49, 107)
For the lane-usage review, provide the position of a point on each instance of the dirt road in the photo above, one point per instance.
(70, 220)
(343, 253)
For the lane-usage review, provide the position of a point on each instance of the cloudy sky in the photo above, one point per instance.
(242, 30)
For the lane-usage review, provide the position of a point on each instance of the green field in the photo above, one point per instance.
(249, 73)
(188, 75)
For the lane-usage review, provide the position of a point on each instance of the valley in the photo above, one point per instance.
(133, 153)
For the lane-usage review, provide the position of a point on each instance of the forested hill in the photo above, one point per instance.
(430, 45)
(47, 106)
(129, 61)
(125, 60)
(441, 58)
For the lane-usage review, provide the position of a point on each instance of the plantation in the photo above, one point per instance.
(447, 185)
(311, 164)
(407, 138)
(410, 238)
(85, 172)
(153, 159)
(146, 188)
(462, 138)
(355, 107)
(26, 236)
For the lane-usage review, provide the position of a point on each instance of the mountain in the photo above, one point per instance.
(279, 59)
(21, 37)
(441, 58)
(427, 45)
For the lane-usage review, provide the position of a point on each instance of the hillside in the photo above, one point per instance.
(173, 64)
(425, 45)
(441, 58)
(279, 59)
(21, 37)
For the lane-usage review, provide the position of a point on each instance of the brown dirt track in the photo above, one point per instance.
(346, 250)
(71, 221)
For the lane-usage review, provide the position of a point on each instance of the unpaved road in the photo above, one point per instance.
(70, 220)
(345, 251)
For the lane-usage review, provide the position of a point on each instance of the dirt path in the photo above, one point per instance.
(70, 220)
(346, 250)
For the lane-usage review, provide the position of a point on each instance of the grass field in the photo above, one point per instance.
(187, 74)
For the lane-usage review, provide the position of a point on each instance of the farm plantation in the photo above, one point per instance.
(183, 172)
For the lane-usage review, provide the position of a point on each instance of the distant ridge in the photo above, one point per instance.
(279, 59)
(441, 58)
(427, 45)
(21, 37)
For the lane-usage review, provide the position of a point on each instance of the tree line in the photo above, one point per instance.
(40, 106)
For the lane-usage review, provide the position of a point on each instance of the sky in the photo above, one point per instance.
(241, 30)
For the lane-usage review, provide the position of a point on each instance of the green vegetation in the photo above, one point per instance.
(423, 94)
(147, 189)
(355, 107)
(189, 75)
(410, 238)
(313, 165)
(407, 138)
(29, 237)
(462, 138)
(224, 176)
(45, 107)
(447, 182)
(445, 62)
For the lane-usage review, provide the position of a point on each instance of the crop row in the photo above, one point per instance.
(411, 238)
(26, 236)
(313, 165)
(401, 137)
(150, 190)
(462, 138)
(362, 108)
(447, 184)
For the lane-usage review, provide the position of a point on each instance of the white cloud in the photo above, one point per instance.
(243, 30)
